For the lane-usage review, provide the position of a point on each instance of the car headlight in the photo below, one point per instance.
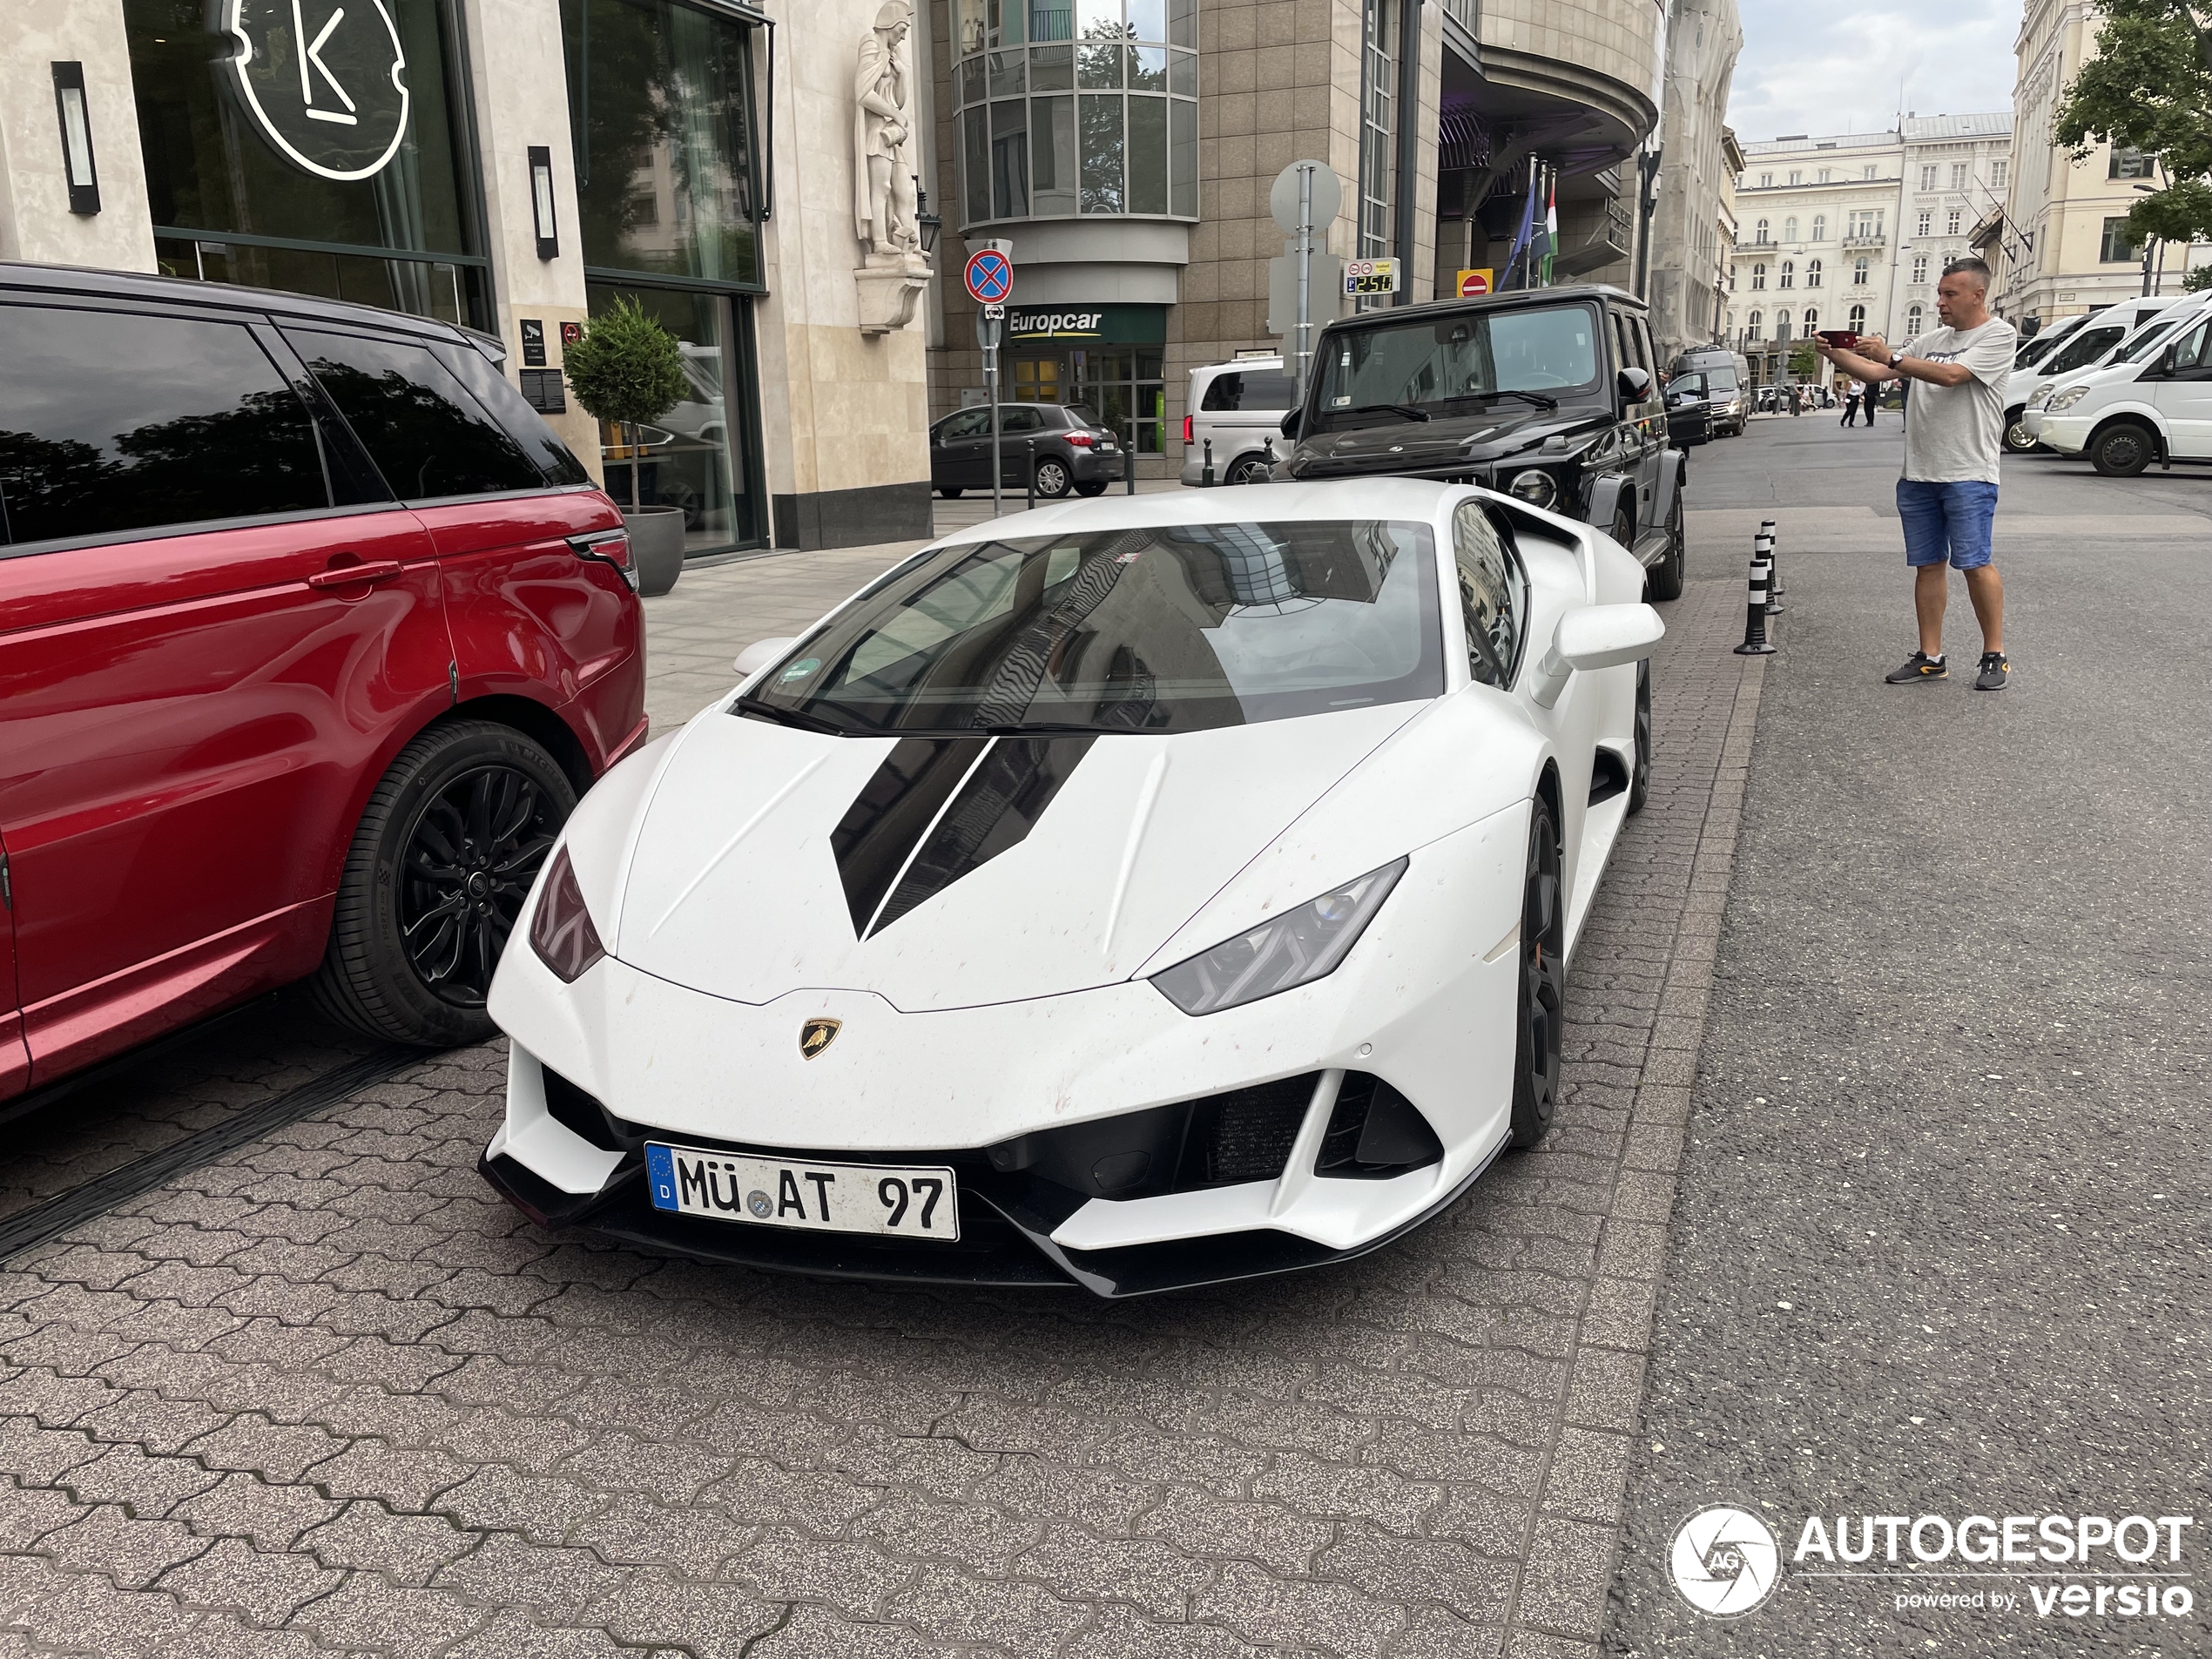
(1535, 485)
(2042, 396)
(561, 932)
(2066, 400)
(1296, 947)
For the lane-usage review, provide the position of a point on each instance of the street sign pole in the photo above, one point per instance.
(989, 278)
(991, 378)
(1304, 277)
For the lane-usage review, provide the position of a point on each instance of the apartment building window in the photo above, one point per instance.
(1866, 173)
(1998, 170)
(1858, 268)
(1958, 175)
(1913, 318)
(2128, 162)
(1766, 180)
(1951, 223)
(1378, 90)
(1924, 225)
(1858, 320)
(1758, 277)
(1820, 228)
(1731, 279)
(1790, 229)
(1789, 277)
(1927, 178)
(1813, 274)
(1751, 326)
(2117, 249)
(1920, 267)
(1867, 222)
(1826, 174)
(1758, 233)
(1809, 324)
(1781, 325)
(1796, 177)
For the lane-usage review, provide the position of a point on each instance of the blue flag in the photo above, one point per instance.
(1528, 227)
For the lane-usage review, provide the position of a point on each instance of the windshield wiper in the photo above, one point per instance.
(1410, 411)
(799, 718)
(1537, 398)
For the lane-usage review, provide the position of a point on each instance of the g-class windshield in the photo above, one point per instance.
(1420, 370)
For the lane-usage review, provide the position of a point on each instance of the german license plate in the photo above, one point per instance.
(921, 1203)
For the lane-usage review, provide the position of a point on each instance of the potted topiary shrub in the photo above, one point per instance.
(627, 371)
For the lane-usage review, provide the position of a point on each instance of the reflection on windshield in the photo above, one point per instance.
(1170, 627)
(1551, 350)
(2139, 347)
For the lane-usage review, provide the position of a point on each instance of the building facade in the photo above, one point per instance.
(1688, 270)
(1955, 169)
(517, 166)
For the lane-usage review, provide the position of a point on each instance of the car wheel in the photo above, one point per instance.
(1094, 488)
(2017, 439)
(1250, 469)
(1540, 1024)
(1640, 777)
(444, 855)
(1623, 528)
(1052, 480)
(2121, 451)
(949, 494)
(1663, 580)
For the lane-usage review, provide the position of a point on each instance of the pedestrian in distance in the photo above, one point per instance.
(1870, 395)
(1850, 404)
(1954, 430)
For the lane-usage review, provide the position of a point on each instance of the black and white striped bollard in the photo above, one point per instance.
(1755, 640)
(1774, 566)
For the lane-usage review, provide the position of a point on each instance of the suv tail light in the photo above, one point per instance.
(1080, 440)
(608, 546)
(1186, 432)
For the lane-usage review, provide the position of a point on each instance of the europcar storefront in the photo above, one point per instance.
(1106, 357)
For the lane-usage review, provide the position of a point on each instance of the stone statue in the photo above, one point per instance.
(883, 190)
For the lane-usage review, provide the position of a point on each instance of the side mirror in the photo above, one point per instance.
(1634, 383)
(1292, 421)
(1599, 637)
(2170, 359)
(759, 654)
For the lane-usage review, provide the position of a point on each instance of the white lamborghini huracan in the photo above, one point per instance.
(1116, 893)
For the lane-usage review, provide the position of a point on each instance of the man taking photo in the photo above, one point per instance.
(1954, 426)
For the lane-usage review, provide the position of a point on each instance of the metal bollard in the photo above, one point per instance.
(1207, 477)
(1755, 641)
(1762, 547)
(1129, 460)
(1030, 451)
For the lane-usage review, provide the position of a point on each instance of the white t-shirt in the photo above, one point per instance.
(1956, 434)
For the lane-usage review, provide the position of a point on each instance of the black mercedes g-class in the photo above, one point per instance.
(1550, 396)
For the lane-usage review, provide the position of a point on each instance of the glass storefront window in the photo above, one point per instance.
(247, 183)
(1122, 149)
(661, 115)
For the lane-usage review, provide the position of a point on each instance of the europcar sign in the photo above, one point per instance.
(325, 80)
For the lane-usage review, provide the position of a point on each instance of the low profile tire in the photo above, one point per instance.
(444, 855)
(2121, 451)
(1249, 470)
(1052, 480)
(2017, 439)
(949, 494)
(1640, 777)
(1094, 488)
(1540, 1018)
(1664, 579)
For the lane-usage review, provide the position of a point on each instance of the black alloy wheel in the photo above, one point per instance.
(2017, 439)
(1623, 529)
(1664, 579)
(1249, 470)
(2121, 451)
(1053, 480)
(1541, 1022)
(1639, 776)
(446, 850)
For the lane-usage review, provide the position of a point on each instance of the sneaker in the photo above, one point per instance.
(1995, 672)
(1921, 666)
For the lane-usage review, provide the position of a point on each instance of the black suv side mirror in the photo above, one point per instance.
(1292, 421)
(1634, 383)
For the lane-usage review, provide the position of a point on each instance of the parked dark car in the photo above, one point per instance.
(1550, 396)
(311, 634)
(1063, 443)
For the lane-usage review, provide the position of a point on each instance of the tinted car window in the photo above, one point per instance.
(1020, 418)
(968, 423)
(2084, 350)
(425, 433)
(520, 421)
(1249, 389)
(114, 421)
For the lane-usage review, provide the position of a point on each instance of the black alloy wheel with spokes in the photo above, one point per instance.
(452, 839)
(1640, 774)
(1250, 469)
(1541, 1021)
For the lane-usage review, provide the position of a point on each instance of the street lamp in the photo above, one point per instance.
(924, 221)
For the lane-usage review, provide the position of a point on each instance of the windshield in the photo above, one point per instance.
(2145, 339)
(1434, 364)
(1162, 629)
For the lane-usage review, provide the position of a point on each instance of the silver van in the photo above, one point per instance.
(1239, 406)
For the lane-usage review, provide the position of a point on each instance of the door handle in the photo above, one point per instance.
(355, 576)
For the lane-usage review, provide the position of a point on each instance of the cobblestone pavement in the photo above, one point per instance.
(327, 1393)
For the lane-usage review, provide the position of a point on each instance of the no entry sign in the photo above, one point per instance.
(989, 276)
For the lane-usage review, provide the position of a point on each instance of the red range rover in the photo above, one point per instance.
(310, 633)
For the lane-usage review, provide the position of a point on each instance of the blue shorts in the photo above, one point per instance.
(1946, 520)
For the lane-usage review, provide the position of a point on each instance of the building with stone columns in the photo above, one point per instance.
(1688, 270)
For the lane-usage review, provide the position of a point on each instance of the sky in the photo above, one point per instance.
(1835, 67)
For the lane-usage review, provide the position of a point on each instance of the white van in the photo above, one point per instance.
(1238, 407)
(2156, 408)
(2144, 341)
(2090, 342)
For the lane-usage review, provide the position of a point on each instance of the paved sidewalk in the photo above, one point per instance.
(328, 1394)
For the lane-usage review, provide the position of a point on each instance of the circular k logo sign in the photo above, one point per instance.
(325, 80)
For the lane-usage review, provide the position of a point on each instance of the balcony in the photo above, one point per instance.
(1865, 238)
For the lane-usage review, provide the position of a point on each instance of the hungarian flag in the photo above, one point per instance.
(1546, 241)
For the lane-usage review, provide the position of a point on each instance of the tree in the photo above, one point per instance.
(1803, 363)
(2197, 280)
(2149, 88)
(626, 369)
